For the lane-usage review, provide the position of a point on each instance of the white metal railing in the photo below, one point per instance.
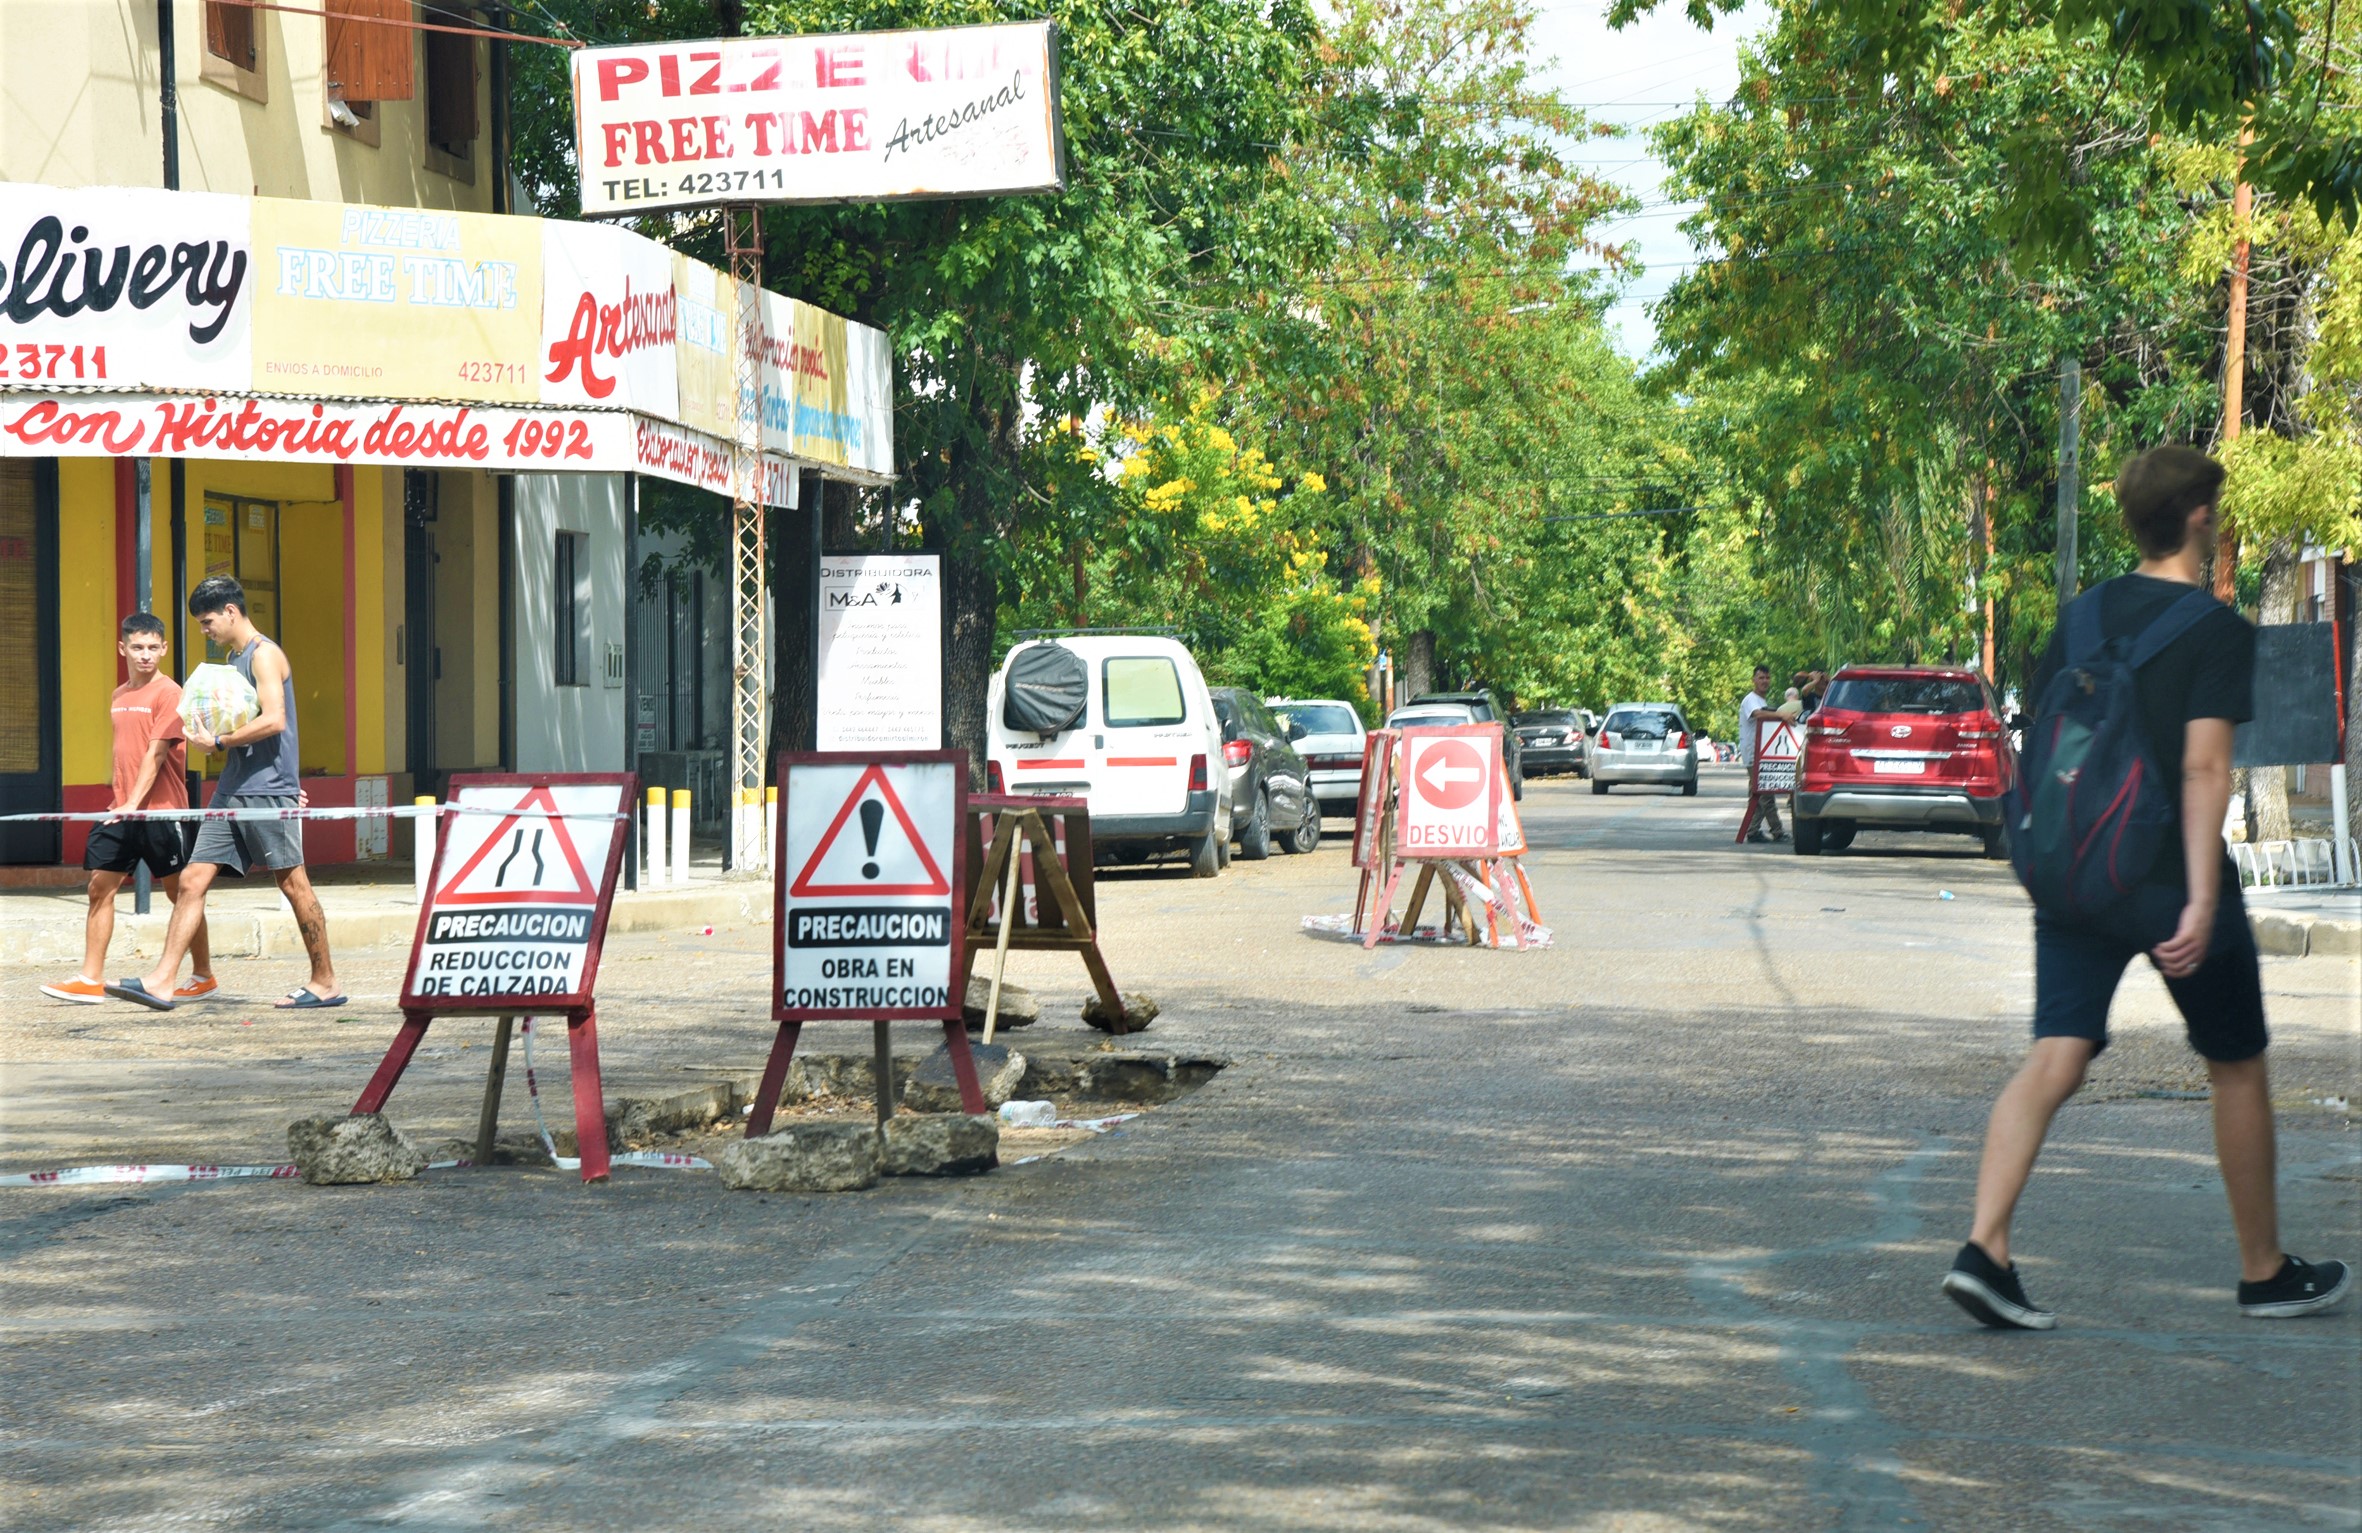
(2303, 862)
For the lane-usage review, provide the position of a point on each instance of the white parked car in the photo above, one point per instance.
(1329, 735)
(1428, 715)
(1645, 744)
(1122, 720)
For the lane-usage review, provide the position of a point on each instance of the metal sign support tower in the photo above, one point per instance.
(751, 702)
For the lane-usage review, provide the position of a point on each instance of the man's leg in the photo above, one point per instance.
(1771, 816)
(312, 923)
(2053, 1072)
(200, 942)
(98, 927)
(188, 914)
(2243, 1142)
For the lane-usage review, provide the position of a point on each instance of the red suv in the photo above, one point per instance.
(1903, 748)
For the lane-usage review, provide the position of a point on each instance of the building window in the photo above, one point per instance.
(450, 91)
(367, 59)
(233, 49)
(570, 609)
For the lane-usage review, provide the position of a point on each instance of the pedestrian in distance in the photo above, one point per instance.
(2167, 670)
(151, 771)
(1749, 706)
(261, 771)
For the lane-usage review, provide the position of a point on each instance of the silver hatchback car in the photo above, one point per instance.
(1647, 743)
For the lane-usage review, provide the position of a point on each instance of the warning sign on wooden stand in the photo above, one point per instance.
(1771, 773)
(516, 911)
(868, 924)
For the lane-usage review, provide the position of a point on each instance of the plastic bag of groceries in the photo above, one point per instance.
(217, 698)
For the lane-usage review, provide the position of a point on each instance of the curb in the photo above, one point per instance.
(247, 934)
(2292, 936)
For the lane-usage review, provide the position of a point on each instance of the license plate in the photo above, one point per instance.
(1892, 768)
(1647, 745)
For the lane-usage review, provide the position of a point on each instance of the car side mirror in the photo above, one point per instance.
(1297, 731)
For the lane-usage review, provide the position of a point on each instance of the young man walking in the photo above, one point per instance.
(2187, 915)
(1749, 706)
(262, 772)
(151, 772)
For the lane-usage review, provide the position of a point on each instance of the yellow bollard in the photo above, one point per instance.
(680, 837)
(656, 867)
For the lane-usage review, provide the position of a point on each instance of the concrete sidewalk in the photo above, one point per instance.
(375, 909)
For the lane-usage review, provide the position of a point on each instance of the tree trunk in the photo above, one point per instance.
(840, 516)
(971, 605)
(2341, 602)
(787, 541)
(2268, 786)
(1418, 663)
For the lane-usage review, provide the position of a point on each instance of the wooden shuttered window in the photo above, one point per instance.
(368, 60)
(450, 84)
(229, 32)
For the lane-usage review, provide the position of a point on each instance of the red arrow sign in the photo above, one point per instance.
(1450, 774)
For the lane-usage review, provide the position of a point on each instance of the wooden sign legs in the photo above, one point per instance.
(590, 1103)
(1069, 930)
(783, 1048)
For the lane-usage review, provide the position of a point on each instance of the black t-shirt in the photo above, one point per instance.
(2207, 673)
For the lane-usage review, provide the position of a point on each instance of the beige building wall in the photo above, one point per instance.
(78, 107)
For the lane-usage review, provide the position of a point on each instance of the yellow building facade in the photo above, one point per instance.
(384, 585)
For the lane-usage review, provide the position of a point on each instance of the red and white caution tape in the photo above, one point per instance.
(101, 1176)
(574, 1162)
(249, 813)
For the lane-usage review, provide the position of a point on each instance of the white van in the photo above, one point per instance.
(1124, 721)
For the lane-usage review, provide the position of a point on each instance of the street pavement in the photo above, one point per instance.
(1638, 1232)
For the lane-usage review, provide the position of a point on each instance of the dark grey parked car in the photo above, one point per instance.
(1553, 740)
(1270, 788)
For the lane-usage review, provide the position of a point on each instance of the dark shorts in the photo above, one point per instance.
(239, 846)
(118, 846)
(2077, 966)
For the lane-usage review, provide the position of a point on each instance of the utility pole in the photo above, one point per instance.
(2070, 473)
(2226, 550)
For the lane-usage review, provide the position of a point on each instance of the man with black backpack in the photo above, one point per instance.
(2115, 828)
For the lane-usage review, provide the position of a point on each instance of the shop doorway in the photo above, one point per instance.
(31, 755)
(242, 542)
(421, 658)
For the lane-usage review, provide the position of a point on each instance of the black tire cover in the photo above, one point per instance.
(1045, 689)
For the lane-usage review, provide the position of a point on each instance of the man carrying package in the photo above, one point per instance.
(262, 773)
(151, 772)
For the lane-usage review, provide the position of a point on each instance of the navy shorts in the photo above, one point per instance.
(2077, 966)
(119, 846)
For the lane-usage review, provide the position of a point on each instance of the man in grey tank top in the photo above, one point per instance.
(263, 770)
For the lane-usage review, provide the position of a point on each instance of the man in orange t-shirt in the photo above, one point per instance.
(151, 772)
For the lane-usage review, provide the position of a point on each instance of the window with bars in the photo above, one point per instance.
(570, 610)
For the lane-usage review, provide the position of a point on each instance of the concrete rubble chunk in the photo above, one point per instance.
(1139, 1011)
(1018, 1006)
(803, 1157)
(933, 1088)
(343, 1150)
(941, 1144)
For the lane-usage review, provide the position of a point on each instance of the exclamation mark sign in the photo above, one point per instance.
(873, 819)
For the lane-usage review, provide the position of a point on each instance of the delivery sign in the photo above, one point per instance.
(851, 117)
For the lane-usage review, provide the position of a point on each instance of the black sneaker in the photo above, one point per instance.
(2298, 1288)
(1992, 1293)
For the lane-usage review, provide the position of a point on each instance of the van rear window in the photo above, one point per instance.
(1906, 694)
(1141, 689)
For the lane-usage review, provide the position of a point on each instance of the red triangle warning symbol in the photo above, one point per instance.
(538, 864)
(926, 878)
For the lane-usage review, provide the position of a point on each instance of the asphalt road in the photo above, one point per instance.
(1639, 1232)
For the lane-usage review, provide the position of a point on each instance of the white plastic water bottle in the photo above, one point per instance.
(1029, 1114)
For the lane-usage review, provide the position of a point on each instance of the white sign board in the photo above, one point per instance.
(881, 652)
(869, 922)
(1776, 750)
(517, 899)
(1450, 794)
(850, 117)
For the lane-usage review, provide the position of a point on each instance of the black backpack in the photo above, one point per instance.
(2088, 812)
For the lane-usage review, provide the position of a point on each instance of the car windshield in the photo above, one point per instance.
(1320, 718)
(1905, 694)
(1639, 725)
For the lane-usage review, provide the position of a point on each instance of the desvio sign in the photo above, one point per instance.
(849, 117)
(1450, 787)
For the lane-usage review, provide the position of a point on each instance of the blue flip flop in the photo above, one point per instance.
(302, 998)
(133, 990)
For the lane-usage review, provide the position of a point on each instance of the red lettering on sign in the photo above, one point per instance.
(614, 74)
